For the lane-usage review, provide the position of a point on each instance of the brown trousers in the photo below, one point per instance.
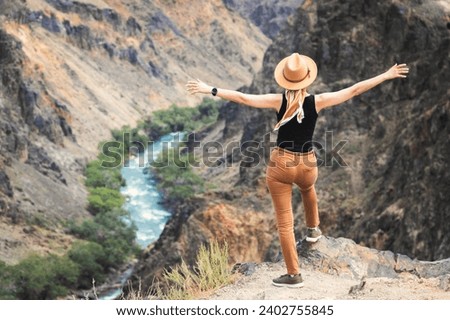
(284, 169)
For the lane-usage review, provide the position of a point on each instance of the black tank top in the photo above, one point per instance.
(294, 136)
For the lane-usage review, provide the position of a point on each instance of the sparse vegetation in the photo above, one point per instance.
(183, 282)
(210, 272)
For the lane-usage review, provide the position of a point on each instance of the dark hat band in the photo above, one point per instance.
(297, 81)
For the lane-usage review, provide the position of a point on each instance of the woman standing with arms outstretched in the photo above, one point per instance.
(293, 160)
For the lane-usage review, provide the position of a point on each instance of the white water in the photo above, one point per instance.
(143, 200)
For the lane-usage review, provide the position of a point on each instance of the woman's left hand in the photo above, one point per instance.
(397, 71)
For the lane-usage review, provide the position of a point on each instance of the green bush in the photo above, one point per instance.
(126, 141)
(116, 224)
(113, 233)
(87, 230)
(41, 278)
(103, 199)
(186, 185)
(117, 251)
(130, 136)
(131, 140)
(209, 110)
(175, 177)
(90, 258)
(98, 176)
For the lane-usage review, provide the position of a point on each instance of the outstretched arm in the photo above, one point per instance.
(330, 99)
(252, 100)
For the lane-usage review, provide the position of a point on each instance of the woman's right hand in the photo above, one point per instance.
(198, 86)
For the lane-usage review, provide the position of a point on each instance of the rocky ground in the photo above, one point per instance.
(340, 269)
(324, 286)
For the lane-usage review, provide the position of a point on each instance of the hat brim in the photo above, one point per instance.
(286, 84)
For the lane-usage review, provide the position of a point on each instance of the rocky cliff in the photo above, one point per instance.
(268, 15)
(389, 190)
(73, 70)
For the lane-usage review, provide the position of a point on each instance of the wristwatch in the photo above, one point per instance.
(214, 91)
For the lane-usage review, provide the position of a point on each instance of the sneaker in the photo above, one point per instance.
(289, 281)
(313, 234)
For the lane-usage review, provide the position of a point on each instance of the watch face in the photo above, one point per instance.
(214, 91)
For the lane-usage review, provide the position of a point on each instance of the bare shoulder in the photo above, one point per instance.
(318, 99)
(275, 100)
(268, 100)
(330, 99)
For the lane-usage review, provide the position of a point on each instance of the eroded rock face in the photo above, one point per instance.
(24, 122)
(270, 16)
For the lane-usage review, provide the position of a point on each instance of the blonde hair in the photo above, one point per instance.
(295, 99)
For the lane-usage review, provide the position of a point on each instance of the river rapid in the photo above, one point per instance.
(143, 201)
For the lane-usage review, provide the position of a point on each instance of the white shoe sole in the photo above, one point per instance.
(297, 285)
(313, 239)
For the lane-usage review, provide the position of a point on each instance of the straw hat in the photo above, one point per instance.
(295, 72)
